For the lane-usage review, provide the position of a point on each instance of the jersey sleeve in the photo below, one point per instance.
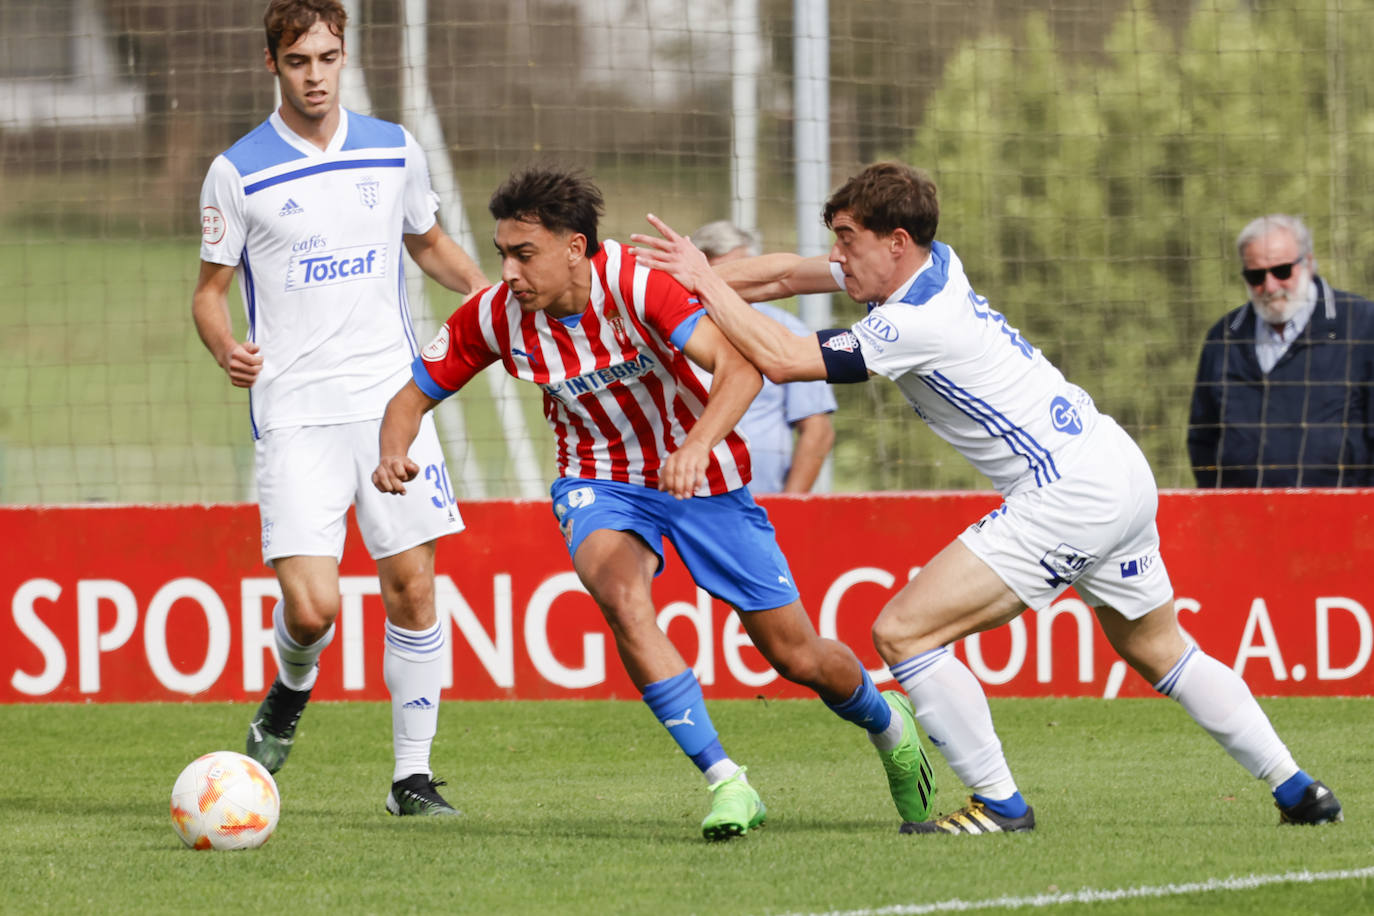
(896, 338)
(457, 352)
(671, 308)
(420, 202)
(223, 228)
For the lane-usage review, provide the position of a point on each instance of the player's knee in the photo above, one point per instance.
(307, 621)
(410, 605)
(798, 664)
(896, 638)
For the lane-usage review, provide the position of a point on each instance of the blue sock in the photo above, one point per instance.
(1007, 807)
(679, 706)
(1289, 793)
(866, 708)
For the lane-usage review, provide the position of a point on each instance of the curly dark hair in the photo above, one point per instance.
(560, 198)
(287, 20)
(887, 196)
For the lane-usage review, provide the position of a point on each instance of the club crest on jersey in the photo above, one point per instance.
(437, 348)
(844, 343)
(370, 192)
(617, 323)
(1065, 563)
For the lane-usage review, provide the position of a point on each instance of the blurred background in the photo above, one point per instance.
(1095, 158)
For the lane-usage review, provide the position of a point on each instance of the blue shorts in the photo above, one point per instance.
(725, 541)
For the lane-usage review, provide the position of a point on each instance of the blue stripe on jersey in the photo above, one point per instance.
(683, 332)
(403, 303)
(1022, 443)
(251, 297)
(424, 382)
(372, 133)
(324, 167)
(928, 284)
(261, 148)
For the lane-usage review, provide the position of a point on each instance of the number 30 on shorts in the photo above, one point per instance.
(437, 474)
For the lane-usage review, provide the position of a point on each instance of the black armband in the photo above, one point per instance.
(844, 361)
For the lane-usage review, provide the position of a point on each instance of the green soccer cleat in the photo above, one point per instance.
(273, 729)
(909, 777)
(418, 796)
(735, 809)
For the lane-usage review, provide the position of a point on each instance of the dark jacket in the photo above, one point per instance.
(1308, 423)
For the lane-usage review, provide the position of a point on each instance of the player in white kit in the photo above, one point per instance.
(1079, 497)
(311, 210)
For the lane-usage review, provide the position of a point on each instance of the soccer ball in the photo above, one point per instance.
(225, 800)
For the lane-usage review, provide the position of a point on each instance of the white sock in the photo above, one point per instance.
(722, 770)
(413, 673)
(890, 737)
(1219, 700)
(953, 711)
(299, 664)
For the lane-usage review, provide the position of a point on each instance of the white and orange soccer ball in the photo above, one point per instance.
(225, 800)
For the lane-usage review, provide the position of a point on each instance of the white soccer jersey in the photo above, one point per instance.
(973, 378)
(316, 236)
(619, 393)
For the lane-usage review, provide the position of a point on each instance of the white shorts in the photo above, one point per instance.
(308, 476)
(1094, 529)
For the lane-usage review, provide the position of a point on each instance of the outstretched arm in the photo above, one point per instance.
(779, 354)
(445, 260)
(400, 424)
(777, 276)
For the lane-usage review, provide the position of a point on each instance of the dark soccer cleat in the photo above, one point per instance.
(418, 795)
(1317, 806)
(273, 729)
(976, 817)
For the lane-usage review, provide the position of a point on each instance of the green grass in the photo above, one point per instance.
(586, 807)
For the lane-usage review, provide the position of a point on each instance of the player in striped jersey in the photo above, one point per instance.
(1079, 495)
(644, 451)
(311, 210)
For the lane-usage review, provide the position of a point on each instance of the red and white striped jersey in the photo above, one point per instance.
(618, 394)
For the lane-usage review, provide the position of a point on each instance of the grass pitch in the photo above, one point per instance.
(587, 807)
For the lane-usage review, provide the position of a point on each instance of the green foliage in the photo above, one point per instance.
(587, 808)
(1096, 202)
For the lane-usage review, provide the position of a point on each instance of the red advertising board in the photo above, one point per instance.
(171, 603)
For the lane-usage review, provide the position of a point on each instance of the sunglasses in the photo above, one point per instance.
(1255, 275)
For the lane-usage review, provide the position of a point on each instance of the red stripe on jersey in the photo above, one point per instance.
(641, 424)
(613, 383)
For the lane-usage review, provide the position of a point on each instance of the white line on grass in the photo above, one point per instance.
(1091, 895)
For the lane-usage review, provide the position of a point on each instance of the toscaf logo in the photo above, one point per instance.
(311, 269)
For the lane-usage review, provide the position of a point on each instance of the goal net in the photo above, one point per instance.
(1095, 160)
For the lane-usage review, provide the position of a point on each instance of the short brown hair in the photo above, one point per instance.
(287, 20)
(888, 196)
(560, 198)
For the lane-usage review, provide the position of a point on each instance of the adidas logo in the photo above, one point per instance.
(290, 208)
(418, 703)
